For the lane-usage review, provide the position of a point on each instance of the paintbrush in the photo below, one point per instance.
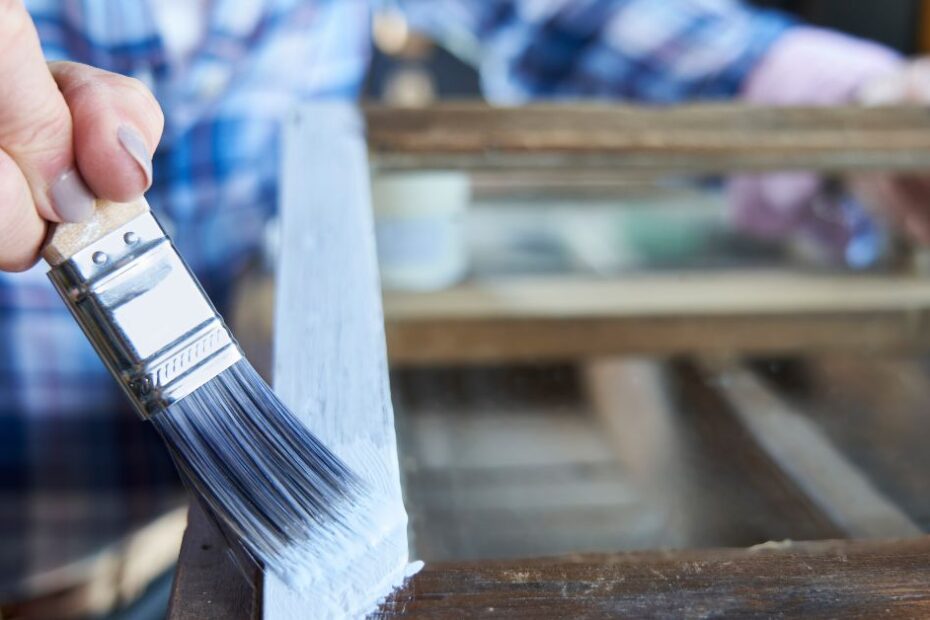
(295, 506)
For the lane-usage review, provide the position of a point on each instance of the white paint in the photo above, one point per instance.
(330, 361)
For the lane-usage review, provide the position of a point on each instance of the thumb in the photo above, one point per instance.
(35, 123)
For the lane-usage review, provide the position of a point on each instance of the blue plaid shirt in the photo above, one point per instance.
(78, 470)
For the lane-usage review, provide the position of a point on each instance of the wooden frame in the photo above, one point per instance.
(564, 318)
(682, 139)
(769, 312)
(820, 579)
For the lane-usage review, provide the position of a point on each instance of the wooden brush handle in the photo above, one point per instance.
(66, 240)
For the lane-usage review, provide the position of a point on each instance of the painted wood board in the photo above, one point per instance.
(330, 363)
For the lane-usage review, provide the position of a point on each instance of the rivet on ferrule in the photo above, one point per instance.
(146, 315)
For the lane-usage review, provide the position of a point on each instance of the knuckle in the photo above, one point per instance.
(146, 99)
(47, 129)
(114, 87)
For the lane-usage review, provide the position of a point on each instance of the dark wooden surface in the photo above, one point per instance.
(693, 138)
(831, 579)
(802, 580)
(209, 583)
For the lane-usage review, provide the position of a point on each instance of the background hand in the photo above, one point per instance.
(904, 199)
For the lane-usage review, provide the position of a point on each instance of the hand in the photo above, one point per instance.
(904, 199)
(68, 133)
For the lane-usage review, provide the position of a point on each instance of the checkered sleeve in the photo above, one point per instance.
(650, 50)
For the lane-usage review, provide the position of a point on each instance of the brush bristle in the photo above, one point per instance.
(292, 502)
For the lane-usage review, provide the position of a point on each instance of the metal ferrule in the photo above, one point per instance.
(145, 313)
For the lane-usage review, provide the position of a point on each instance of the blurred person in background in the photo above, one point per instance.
(78, 471)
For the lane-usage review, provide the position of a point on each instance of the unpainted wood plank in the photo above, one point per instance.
(557, 318)
(534, 185)
(686, 452)
(874, 409)
(689, 138)
(630, 399)
(424, 343)
(831, 579)
(727, 293)
(507, 480)
(208, 582)
(330, 365)
(805, 454)
(493, 437)
(564, 318)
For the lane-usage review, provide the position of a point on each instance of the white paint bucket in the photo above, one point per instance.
(420, 229)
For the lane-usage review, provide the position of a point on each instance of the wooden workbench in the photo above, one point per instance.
(829, 579)
(812, 580)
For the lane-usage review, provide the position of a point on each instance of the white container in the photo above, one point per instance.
(420, 228)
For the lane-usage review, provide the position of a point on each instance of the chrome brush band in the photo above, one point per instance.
(146, 315)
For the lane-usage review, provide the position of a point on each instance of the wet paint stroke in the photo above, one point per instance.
(330, 359)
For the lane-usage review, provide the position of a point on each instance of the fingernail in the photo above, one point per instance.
(71, 199)
(135, 146)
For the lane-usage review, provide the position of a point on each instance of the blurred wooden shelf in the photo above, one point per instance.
(552, 318)
(692, 138)
(566, 318)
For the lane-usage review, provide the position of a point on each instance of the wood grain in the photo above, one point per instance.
(690, 138)
(66, 240)
(786, 580)
(828, 579)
